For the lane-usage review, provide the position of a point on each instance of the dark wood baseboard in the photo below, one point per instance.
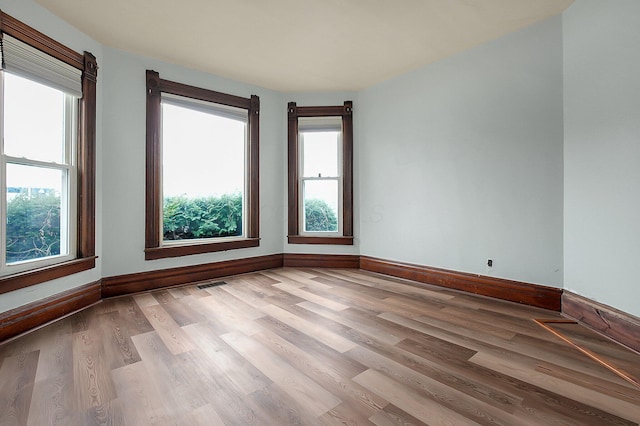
(499, 288)
(142, 281)
(619, 326)
(321, 260)
(36, 314)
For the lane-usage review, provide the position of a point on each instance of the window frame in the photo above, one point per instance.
(154, 249)
(67, 167)
(84, 255)
(295, 236)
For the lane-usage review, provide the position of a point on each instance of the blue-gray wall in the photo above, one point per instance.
(602, 151)
(461, 161)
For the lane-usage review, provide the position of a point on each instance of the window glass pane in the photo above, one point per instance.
(34, 206)
(33, 120)
(320, 205)
(203, 174)
(320, 150)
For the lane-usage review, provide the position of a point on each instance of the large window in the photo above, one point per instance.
(47, 140)
(320, 174)
(202, 170)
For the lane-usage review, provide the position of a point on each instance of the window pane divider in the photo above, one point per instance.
(321, 178)
(36, 163)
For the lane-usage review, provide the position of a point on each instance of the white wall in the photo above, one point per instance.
(602, 151)
(461, 161)
(124, 162)
(36, 16)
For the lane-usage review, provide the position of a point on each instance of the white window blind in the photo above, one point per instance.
(319, 124)
(24, 60)
(207, 107)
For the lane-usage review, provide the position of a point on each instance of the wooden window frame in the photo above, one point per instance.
(153, 247)
(86, 157)
(294, 113)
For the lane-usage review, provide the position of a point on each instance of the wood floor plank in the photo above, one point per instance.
(142, 401)
(53, 394)
(205, 415)
(242, 290)
(178, 386)
(447, 397)
(312, 346)
(289, 276)
(359, 400)
(280, 407)
(397, 287)
(500, 347)
(369, 324)
(233, 318)
(145, 299)
(118, 346)
(246, 378)
(344, 414)
(302, 389)
(329, 338)
(603, 404)
(171, 334)
(94, 388)
(320, 352)
(18, 373)
(208, 386)
(52, 402)
(393, 416)
(311, 297)
(181, 312)
(408, 400)
(442, 372)
(132, 317)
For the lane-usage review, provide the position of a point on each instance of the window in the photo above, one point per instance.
(202, 170)
(47, 158)
(320, 174)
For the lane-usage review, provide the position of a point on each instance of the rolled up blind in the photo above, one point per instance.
(21, 59)
(320, 124)
(207, 107)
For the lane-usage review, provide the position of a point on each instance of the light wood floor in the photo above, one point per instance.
(311, 346)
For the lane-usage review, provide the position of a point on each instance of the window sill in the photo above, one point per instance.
(36, 276)
(154, 253)
(304, 239)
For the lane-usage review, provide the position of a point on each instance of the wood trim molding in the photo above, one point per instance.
(36, 314)
(40, 41)
(304, 260)
(293, 215)
(303, 239)
(86, 157)
(143, 281)
(36, 276)
(499, 288)
(292, 168)
(154, 253)
(155, 86)
(619, 326)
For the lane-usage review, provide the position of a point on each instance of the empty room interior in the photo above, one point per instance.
(305, 212)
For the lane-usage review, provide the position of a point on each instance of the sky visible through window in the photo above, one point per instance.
(23, 138)
(203, 154)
